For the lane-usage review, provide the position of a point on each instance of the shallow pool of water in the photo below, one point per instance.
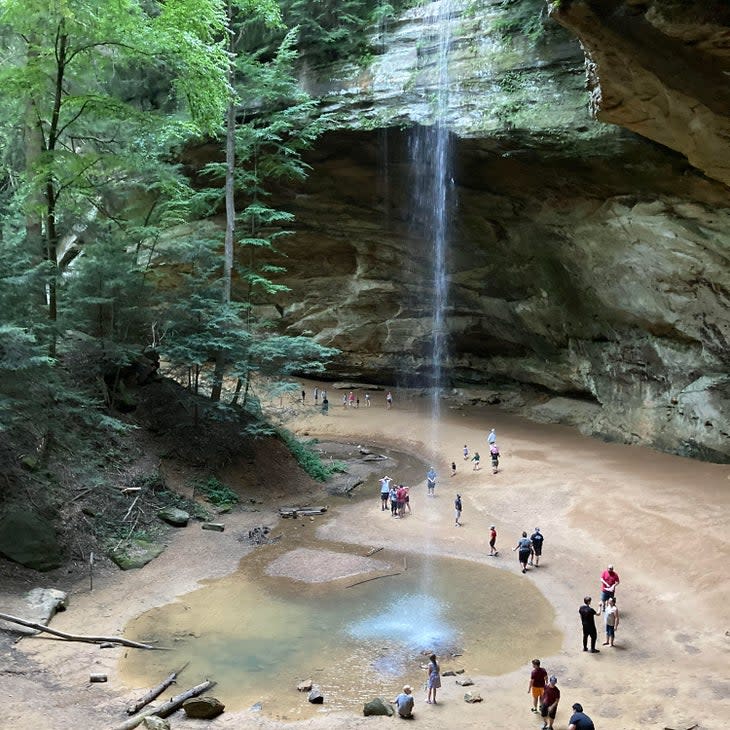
(259, 635)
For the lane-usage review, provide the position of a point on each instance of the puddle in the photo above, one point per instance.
(360, 636)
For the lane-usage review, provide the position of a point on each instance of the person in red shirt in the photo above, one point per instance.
(400, 496)
(538, 678)
(492, 541)
(609, 581)
(549, 703)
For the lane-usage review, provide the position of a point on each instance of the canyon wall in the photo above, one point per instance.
(588, 265)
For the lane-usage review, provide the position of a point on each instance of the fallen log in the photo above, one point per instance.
(166, 709)
(75, 637)
(155, 692)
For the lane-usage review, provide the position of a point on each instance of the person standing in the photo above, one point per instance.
(384, 492)
(588, 621)
(466, 453)
(579, 720)
(304, 395)
(537, 539)
(524, 546)
(493, 541)
(549, 703)
(457, 511)
(492, 438)
(400, 496)
(393, 497)
(325, 405)
(367, 400)
(538, 679)
(316, 395)
(476, 458)
(609, 581)
(404, 702)
(431, 481)
(453, 468)
(611, 618)
(434, 679)
(388, 400)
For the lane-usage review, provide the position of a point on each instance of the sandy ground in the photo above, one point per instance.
(661, 520)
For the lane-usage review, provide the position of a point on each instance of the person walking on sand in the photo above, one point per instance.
(404, 702)
(304, 395)
(549, 703)
(367, 400)
(536, 539)
(524, 546)
(453, 468)
(393, 497)
(476, 459)
(579, 720)
(466, 453)
(431, 481)
(457, 511)
(492, 438)
(400, 496)
(408, 499)
(434, 679)
(611, 618)
(588, 622)
(325, 406)
(493, 541)
(316, 395)
(494, 453)
(538, 679)
(384, 492)
(388, 400)
(609, 581)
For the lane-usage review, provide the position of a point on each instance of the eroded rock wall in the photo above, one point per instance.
(587, 263)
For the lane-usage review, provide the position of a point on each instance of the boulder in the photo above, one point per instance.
(203, 708)
(464, 682)
(472, 697)
(136, 554)
(28, 539)
(305, 686)
(174, 516)
(316, 697)
(378, 706)
(155, 723)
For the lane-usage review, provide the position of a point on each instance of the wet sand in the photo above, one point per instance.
(661, 520)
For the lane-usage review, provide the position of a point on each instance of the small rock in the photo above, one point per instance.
(316, 697)
(257, 707)
(155, 723)
(448, 673)
(204, 708)
(472, 697)
(459, 671)
(464, 682)
(305, 686)
(378, 706)
(215, 526)
(97, 678)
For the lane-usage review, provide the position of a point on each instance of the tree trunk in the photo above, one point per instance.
(169, 707)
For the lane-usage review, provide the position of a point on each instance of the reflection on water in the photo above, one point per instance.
(258, 636)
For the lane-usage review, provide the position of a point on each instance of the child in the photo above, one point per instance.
(476, 459)
(466, 452)
(494, 451)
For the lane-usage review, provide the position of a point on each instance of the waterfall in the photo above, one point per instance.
(432, 192)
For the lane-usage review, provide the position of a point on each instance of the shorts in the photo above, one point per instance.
(524, 556)
(537, 692)
(546, 712)
(492, 541)
(605, 595)
(537, 549)
(610, 631)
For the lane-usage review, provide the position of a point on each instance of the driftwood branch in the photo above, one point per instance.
(377, 577)
(166, 709)
(74, 637)
(155, 692)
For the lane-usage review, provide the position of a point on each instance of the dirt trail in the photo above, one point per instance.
(661, 520)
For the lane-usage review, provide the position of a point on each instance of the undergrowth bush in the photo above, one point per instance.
(309, 459)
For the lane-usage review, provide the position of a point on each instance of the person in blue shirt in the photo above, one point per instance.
(579, 720)
(431, 480)
(404, 702)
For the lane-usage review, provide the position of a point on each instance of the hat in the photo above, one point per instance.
(407, 688)
(610, 567)
(578, 707)
(553, 680)
(491, 527)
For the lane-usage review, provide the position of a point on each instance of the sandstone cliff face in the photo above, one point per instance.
(585, 260)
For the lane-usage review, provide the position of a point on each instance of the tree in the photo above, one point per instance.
(87, 135)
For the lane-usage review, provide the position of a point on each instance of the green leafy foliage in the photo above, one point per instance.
(215, 492)
(521, 18)
(309, 459)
